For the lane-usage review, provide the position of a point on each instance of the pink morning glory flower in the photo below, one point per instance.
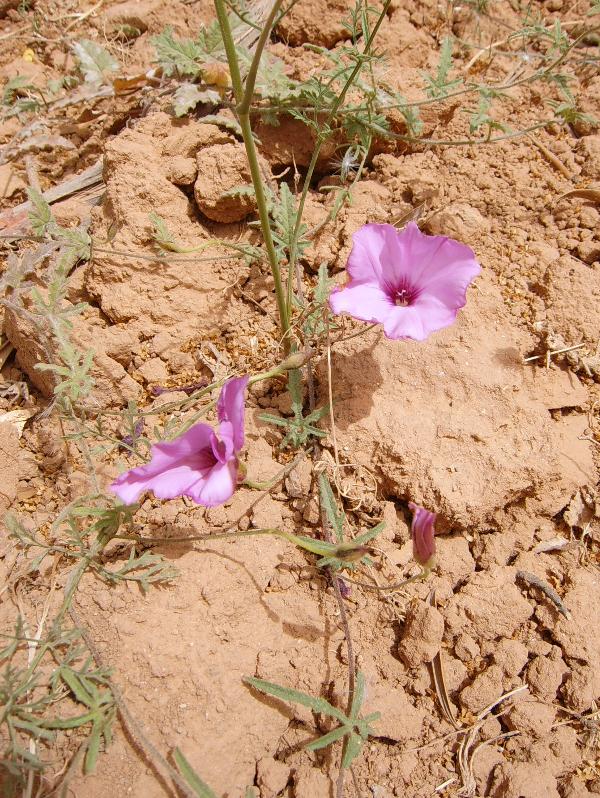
(201, 463)
(412, 283)
(422, 531)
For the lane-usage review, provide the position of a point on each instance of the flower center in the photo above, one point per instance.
(403, 297)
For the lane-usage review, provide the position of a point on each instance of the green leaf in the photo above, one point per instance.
(32, 728)
(40, 215)
(145, 570)
(73, 681)
(173, 54)
(69, 723)
(14, 86)
(162, 235)
(372, 533)
(359, 695)
(335, 518)
(200, 788)
(327, 739)
(285, 213)
(353, 748)
(221, 121)
(440, 86)
(246, 190)
(188, 95)
(93, 748)
(319, 705)
(94, 60)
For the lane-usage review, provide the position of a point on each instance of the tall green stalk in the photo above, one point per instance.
(243, 98)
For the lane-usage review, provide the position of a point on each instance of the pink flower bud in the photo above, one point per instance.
(423, 532)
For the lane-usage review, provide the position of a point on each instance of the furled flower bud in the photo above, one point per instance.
(423, 532)
(296, 360)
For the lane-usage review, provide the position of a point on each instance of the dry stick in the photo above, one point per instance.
(341, 606)
(551, 157)
(130, 724)
(468, 741)
(321, 138)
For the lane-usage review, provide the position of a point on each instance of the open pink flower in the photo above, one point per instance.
(410, 282)
(200, 463)
(422, 531)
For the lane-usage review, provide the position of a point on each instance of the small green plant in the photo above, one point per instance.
(354, 728)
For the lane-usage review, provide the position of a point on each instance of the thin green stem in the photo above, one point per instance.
(244, 106)
(229, 44)
(252, 155)
(313, 545)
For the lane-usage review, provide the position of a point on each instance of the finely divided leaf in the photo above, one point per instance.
(40, 215)
(439, 85)
(285, 213)
(183, 55)
(14, 85)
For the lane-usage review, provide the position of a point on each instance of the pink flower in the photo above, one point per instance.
(423, 532)
(411, 283)
(199, 464)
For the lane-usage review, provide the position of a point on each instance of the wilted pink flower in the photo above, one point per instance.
(411, 283)
(423, 531)
(200, 463)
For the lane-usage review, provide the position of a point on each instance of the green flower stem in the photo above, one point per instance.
(243, 111)
(318, 547)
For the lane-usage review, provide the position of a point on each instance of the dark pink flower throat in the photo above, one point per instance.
(403, 295)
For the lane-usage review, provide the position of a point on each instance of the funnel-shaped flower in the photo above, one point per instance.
(423, 531)
(411, 283)
(199, 464)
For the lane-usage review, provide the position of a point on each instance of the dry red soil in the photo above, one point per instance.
(504, 450)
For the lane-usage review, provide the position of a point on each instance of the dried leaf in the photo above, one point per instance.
(6, 350)
(531, 580)
(17, 418)
(121, 85)
(582, 508)
(554, 544)
(437, 671)
(592, 194)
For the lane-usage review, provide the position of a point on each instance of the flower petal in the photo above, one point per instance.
(173, 467)
(419, 320)
(364, 261)
(440, 266)
(363, 301)
(224, 449)
(217, 487)
(230, 407)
